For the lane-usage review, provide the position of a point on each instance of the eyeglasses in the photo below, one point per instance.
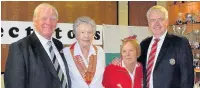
(155, 20)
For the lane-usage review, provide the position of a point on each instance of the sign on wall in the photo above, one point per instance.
(11, 31)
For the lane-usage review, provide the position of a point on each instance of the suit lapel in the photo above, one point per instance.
(66, 68)
(61, 54)
(60, 47)
(42, 55)
(146, 49)
(163, 50)
(63, 58)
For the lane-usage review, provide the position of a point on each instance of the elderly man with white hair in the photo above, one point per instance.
(167, 59)
(36, 61)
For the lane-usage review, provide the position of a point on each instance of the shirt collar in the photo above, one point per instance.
(77, 50)
(161, 37)
(123, 65)
(42, 39)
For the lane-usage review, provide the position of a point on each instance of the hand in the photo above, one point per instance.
(116, 61)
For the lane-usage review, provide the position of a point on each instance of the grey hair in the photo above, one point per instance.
(159, 9)
(86, 20)
(44, 5)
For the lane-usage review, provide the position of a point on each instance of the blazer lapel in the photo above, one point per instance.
(162, 50)
(60, 47)
(66, 67)
(64, 60)
(42, 55)
(146, 50)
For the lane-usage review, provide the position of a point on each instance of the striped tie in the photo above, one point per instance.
(151, 61)
(59, 71)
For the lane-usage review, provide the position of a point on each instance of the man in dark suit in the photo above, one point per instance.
(167, 61)
(36, 61)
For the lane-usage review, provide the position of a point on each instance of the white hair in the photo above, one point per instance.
(86, 20)
(159, 9)
(44, 5)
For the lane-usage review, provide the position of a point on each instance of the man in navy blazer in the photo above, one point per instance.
(172, 66)
(28, 63)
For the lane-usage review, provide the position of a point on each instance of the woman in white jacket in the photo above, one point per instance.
(86, 62)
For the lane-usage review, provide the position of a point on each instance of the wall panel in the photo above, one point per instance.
(137, 12)
(103, 12)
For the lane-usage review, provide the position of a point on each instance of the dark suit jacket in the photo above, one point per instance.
(166, 75)
(29, 66)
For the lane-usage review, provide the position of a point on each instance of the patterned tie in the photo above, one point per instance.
(151, 61)
(59, 71)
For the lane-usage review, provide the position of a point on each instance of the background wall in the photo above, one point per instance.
(162, 3)
(68, 12)
(103, 12)
(108, 12)
(137, 12)
(123, 13)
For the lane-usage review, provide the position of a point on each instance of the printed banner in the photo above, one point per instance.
(11, 31)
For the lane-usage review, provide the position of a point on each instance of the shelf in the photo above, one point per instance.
(196, 51)
(189, 24)
(196, 70)
(170, 3)
(184, 8)
(189, 28)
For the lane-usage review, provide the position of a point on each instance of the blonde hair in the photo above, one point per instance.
(159, 9)
(134, 43)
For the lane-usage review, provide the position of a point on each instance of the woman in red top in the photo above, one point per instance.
(129, 73)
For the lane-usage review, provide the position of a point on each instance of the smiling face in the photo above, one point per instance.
(157, 23)
(45, 21)
(85, 34)
(129, 53)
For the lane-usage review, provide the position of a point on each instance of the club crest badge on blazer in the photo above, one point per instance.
(172, 61)
(61, 51)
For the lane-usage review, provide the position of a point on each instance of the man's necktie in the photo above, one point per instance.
(151, 61)
(58, 69)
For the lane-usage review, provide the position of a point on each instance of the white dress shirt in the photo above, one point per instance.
(76, 78)
(57, 54)
(159, 45)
